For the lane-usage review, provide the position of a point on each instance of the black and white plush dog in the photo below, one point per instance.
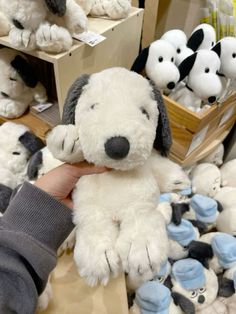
(158, 60)
(202, 37)
(19, 84)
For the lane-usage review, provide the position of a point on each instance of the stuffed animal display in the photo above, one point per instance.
(44, 24)
(19, 84)
(114, 9)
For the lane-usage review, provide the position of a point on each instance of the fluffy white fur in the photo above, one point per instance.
(15, 95)
(114, 9)
(160, 66)
(206, 179)
(118, 226)
(45, 297)
(203, 81)
(178, 39)
(209, 36)
(228, 173)
(215, 157)
(42, 29)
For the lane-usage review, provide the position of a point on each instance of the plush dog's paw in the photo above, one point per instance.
(77, 21)
(117, 9)
(23, 39)
(96, 264)
(68, 244)
(45, 298)
(10, 109)
(63, 142)
(53, 38)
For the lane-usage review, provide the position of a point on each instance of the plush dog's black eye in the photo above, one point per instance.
(144, 111)
(178, 50)
(193, 294)
(212, 44)
(172, 59)
(13, 79)
(207, 70)
(202, 290)
(15, 153)
(234, 55)
(93, 106)
(160, 59)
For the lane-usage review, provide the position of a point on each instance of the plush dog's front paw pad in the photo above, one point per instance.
(45, 298)
(22, 39)
(63, 142)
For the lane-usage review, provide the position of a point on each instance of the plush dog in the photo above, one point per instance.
(115, 212)
(158, 60)
(44, 24)
(178, 39)
(195, 288)
(202, 37)
(114, 9)
(203, 85)
(19, 84)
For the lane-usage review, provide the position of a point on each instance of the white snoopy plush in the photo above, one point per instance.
(158, 60)
(114, 9)
(202, 37)
(178, 39)
(19, 84)
(44, 24)
(202, 83)
(115, 118)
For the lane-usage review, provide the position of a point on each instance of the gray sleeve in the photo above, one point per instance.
(31, 230)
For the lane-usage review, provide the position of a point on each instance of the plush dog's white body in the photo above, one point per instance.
(114, 9)
(36, 25)
(228, 173)
(112, 120)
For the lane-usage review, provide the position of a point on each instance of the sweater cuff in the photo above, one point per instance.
(37, 214)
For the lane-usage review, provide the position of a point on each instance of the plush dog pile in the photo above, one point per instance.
(195, 72)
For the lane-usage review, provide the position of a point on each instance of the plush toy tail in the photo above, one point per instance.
(56, 7)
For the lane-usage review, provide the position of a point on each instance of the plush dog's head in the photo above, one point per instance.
(29, 14)
(226, 50)
(202, 37)
(201, 69)
(120, 117)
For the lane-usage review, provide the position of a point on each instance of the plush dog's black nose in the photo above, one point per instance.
(117, 147)
(212, 99)
(171, 85)
(201, 299)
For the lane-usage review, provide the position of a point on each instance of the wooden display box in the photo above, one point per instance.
(193, 132)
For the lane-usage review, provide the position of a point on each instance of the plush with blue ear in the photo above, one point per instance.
(158, 60)
(19, 84)
(203, 85)
(115, 123)
(202, 37)
(198, 285)
(178, 39)
(44, 24)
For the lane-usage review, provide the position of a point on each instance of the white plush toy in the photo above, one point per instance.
(228, 173)
(195, 288)
(215, 157)
(226, 50)
(19, 84)
(203, 85)
(158, 60)
(178, 39)
(202, 37)
(44, 24)
(206, 179)
(115, 123)
(114, 9)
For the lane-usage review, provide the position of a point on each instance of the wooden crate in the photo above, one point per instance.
(194, 132)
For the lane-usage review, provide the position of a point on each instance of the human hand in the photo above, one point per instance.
(60, 181)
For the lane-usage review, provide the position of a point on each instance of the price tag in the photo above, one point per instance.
(41, 107)
(90, 38)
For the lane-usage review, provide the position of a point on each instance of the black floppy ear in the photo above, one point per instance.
(201, 251)
(195, 40)
(34, 164)
(178, 210)
(220, 207)
(31, 142)
(57, 7)
(202, 227)
(226, 287)
(163, 138)
(73, 95)
(25, 70)
(141, 60)
(217, 48)
(185, 304)
(186, 66)
(168, 283)
(5, 196)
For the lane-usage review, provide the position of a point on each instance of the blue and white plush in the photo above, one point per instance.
(205, 208)
(224, 247)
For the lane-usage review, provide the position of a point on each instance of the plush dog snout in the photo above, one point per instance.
(212, 99)
(117, 147)
(201, 299)
(171, 85)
